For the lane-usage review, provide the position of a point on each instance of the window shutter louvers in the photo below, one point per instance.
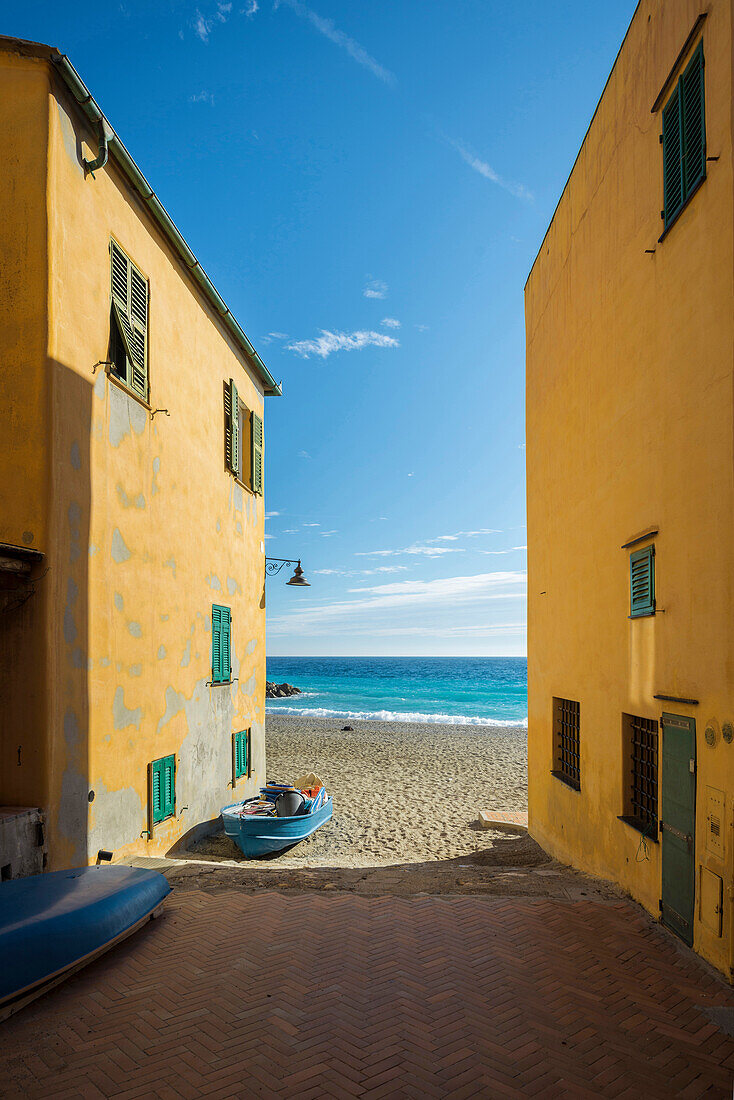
(257, 453)
(157, 790)
(642, 582)
(130, 307)
(226, 655)
(216, 644)
(169, 771)
(672, 157)
(233, 442)
(694, 130)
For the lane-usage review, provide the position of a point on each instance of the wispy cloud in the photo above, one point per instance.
(328, 342)
(328, 28)
(252, 8)
(510, 550)
(361, 572)
(311, 525)
(290, 531)
(202, 97)
(417, 551)
(274, 336)
(203, 24)
(375, 289)
(326, 534)
(420, 597)
(303, 454)
(465, 535)
(519, 190)
(270, 515)
(390, 322)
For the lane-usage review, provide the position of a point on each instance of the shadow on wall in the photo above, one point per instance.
(67, 615)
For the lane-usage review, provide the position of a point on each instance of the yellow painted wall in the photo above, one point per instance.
(144, 527)
(629, 427)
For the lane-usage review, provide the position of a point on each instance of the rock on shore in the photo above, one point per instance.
(280, 691)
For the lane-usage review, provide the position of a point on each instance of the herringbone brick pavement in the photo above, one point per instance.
(236, 995)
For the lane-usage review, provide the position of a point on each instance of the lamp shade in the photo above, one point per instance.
(298, 578)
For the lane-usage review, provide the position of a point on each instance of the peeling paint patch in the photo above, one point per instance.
(126, 416)
(72, 594)
(76, 457)
(140, 501)
(79, 658)
(239, 527)
(105, 662)
(214, 582)
(71, 730)
(186, 659)
(154, 483)
(239, 499)
(74, 515)
(219, 525)
(122, 715)
(170, 564)
(249, 687)
(232, 586)
(251, 646)
(100, 386)
(114, 817)
(161, 652)
(164, 618)
(136, 670)
(135, 629)
(120, 551)
(174, 705)
(93, 549)
(119, 602)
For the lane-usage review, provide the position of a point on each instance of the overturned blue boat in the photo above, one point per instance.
(52, 924)
(258, 835)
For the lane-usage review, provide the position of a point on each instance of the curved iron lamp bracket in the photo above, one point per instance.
(274, 565)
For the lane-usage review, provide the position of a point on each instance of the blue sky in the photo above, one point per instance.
(367, 184)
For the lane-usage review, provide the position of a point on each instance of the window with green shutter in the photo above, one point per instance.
(232, 416)
(642, 582)
(129, 325)
(257, 454)
(221, 648)
(162, 788)
(684, 138)
(241, 752)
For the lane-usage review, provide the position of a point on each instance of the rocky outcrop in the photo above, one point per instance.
(280, 691)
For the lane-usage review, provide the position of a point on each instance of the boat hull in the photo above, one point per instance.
(52, 924)
(257, 836)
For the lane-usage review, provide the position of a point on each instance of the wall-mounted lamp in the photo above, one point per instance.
(274, 565)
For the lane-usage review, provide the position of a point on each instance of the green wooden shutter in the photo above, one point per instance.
(226, 650)
(139, 317)
(672, 156)
(169, 785)
(240, 753)
(156, 785)
(694, 127)
(130, 309)
(221, 652)
(257, 453)
(232, 407)
(216, 644)
(642, 582)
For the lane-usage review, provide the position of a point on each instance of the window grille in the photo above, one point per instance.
(643, 750)
(567, 730)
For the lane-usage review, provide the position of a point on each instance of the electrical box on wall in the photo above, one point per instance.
(711, 897)
(715, 821)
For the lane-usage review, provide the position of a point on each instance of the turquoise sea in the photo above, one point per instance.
(489, 691)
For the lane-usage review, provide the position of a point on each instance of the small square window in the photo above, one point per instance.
(640, 769)
(642, 582)
(566, 742)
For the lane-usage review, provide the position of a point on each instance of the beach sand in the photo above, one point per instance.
(403, 793)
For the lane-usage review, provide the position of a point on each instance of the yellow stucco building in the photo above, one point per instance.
(132, 621)
(630, 459)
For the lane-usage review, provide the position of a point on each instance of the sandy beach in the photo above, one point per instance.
(403, 793)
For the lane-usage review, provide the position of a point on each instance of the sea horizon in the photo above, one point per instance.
(477, 691)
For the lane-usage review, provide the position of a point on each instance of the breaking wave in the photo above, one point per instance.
(403, 716)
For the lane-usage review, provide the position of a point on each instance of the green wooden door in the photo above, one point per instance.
(678, 824)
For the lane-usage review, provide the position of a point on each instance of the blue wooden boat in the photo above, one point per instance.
(258, 835)
(52, 924)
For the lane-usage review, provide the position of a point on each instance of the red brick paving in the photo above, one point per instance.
(236, 995)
